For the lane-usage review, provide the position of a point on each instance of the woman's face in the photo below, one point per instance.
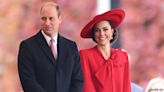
(103, 33)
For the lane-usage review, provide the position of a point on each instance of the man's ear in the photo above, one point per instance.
(60, 19)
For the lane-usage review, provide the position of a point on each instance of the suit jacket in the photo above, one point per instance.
(40, 72)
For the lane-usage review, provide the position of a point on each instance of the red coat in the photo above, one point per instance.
(102, 75)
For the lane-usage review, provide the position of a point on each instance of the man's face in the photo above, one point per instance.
(50, 20)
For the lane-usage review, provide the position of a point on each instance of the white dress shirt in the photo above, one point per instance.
(48, 41)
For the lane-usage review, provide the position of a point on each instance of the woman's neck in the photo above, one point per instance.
(105, 50)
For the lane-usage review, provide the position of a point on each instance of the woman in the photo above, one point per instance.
(105, 69)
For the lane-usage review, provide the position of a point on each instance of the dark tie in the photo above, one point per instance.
(53, 48)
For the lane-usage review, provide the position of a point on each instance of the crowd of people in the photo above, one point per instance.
(143, 38)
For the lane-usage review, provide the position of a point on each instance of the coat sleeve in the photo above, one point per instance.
(26, 70)
(127, 85)
(88, 81)
(77, 77)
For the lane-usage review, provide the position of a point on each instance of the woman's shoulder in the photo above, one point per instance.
(88, 50)
(121, 52)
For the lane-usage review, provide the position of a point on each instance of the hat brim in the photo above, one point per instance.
(115, 16)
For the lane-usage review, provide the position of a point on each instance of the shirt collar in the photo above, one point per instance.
(49, 38)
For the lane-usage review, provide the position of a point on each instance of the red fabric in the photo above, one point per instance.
(102, 75)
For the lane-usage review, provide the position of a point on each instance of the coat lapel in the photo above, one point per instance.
(45, 47)
(62, 50)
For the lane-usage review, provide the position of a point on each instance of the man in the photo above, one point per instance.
(48, 62)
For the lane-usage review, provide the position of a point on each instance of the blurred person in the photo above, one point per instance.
(136, 88)
(155, 85)
(48, 62)
(105, 69)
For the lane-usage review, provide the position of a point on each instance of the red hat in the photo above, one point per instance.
(115, 16)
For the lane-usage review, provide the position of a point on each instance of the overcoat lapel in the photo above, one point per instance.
(62, 50)
(45, 47)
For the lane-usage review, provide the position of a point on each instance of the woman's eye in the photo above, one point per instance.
(105, 29)
(96, 30)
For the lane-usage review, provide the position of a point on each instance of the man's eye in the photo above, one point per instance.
(43, 18)
(51, 18)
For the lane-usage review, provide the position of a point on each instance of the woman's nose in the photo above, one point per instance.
(101, 32)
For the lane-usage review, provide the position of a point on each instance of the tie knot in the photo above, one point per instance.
(52, 40)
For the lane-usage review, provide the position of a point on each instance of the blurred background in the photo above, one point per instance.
(141, 34)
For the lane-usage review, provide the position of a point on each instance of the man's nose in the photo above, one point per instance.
(47, 22)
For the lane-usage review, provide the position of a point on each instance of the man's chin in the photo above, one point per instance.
(47, 32)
